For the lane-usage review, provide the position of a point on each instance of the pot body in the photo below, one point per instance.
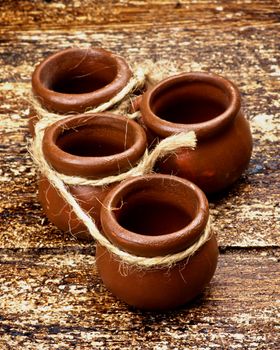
(90, 146)
(209, 105)
(76, 79)
(163, 231)
(217, 162)
(158, 289)
(61, 214)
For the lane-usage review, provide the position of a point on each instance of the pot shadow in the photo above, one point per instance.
(233, 191)
(152, 318)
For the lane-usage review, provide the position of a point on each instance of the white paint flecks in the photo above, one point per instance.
(268, 125)
(276, 70)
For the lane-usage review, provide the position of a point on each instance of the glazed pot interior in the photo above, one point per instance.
(95, 139)
(189, 101)
(156, 207)
(78, 72)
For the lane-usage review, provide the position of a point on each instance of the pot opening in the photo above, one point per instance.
(189, 102)
(153, 218)
(94, 141)
(78, 72)
(156, 208)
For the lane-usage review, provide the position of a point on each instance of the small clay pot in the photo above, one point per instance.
(75, 79)
(209, 105)
(153, 216)
(92, 146)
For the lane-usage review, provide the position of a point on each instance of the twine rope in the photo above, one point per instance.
(138, 79)
(60, 181)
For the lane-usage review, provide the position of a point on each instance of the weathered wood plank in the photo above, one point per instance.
(53, 299)
(248, 215)
(50, 294)
(49, 14)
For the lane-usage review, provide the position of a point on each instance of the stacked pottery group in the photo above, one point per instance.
(154, 215)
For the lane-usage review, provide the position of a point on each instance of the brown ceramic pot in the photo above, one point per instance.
(152, 216)
(75, 79)
(91, 146)
(209, 105)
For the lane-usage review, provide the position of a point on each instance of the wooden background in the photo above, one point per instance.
(50, 294)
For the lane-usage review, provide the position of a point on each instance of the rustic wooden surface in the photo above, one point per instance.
(50, 294)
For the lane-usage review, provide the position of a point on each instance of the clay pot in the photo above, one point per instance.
(75, 79)
(91, 146)
(209, 105)
(152, 216)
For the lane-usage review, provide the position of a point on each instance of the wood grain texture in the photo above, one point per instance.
(50, 294)
(56, 15)
(248, 57)
(53, 299)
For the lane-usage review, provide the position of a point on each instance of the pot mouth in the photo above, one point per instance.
(154, 215)
(94, 145)
(79, 74)
(201, 102)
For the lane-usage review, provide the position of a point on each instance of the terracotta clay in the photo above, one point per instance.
(75, 79)
(152, 216)
(209, 105)
(91, 146)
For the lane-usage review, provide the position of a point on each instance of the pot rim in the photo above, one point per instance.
(165, 128)
(151, 246)
(93, 167)
(63, 102)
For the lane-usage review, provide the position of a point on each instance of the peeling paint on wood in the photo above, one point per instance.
(53, 299)
(50, 295)
(55, 15)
